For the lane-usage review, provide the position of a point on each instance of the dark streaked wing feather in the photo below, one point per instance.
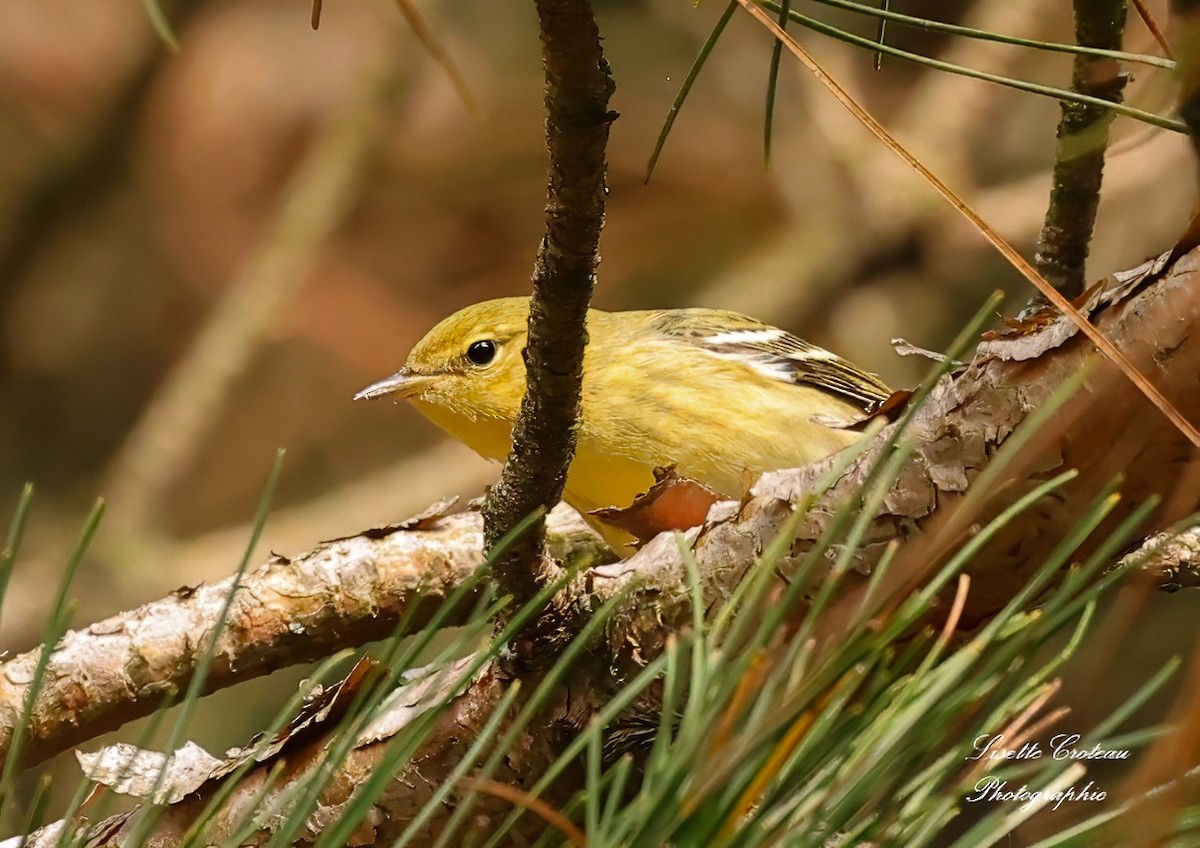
(795, 360)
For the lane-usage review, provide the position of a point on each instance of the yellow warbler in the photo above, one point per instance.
(715, 394)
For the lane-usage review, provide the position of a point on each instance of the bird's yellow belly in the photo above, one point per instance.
(606, 475)
(596, 481)
(488, 437)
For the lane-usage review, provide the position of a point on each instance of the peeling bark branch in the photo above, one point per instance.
(1082, 139)
(578, 86)
(1170, 561)
(341, 594)
(1105, 429)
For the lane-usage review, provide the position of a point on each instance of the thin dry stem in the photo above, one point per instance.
(439, 53)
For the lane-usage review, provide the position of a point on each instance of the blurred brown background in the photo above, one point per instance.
(204, 255)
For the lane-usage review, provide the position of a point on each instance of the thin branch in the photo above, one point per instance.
(578, 86)
(1082, 140)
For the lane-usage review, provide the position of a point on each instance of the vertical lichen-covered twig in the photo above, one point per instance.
(578, 86)
(1079, 154)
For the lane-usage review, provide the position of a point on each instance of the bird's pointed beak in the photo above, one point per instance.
(403, 383)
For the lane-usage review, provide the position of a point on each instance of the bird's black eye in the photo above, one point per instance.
(482, 352)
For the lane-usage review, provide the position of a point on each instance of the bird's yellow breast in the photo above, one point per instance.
(599, 477)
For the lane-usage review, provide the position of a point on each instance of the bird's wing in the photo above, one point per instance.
(773, 352)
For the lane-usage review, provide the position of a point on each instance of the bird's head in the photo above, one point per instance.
(469, 366)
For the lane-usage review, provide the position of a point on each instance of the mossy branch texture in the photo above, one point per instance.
(578, 87)
(1082, 137)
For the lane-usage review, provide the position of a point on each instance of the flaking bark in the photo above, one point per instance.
(287, 611)
(1105, 429)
